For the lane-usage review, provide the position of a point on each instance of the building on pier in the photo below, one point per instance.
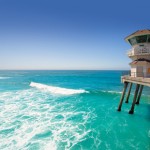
(140, 53)
(140, 67)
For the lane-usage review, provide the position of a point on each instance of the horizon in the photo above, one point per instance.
(76, 35)
(64, 70)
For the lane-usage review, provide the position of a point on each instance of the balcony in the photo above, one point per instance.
(136, 80)
(139, 51)
(135, 74)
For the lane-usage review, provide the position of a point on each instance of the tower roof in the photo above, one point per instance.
(137, 33)
(140, 61)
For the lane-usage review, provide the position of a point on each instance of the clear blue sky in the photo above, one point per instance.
(69, 34)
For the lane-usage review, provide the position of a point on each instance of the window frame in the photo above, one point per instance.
(135, 37)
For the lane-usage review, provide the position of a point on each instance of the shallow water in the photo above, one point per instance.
(69, 110)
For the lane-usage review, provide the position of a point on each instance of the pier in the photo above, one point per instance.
(140, 67)
(128, 81)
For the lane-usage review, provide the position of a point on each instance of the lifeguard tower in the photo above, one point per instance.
(140, 53)
(140, 67)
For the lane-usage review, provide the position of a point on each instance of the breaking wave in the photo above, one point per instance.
(56, 90)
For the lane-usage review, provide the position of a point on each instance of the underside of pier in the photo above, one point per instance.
(129, 81)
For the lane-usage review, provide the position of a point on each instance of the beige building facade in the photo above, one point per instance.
(140, 53)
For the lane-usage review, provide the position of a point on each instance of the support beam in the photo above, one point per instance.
(128, 95)
(134, 99)
(139, 95)
(123, 94)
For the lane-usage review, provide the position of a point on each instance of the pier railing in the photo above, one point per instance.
(138, 51)
(133, 74)
(126, 73)
(137, 74)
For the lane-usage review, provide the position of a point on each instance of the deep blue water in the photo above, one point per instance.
(70, 110)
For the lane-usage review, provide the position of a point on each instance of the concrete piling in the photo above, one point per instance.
(139, 95)
(123, 94)
(128, 95)
(134, 99)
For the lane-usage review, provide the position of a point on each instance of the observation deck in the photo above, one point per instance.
(136, 80)
(138, 51)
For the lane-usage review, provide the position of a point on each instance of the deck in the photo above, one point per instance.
(136, 80)
(140, 83)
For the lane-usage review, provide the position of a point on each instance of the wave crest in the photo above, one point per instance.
(56, 90)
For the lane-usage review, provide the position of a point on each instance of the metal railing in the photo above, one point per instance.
(126, 73)
(137, 74)
(139, 51)
(133, 74)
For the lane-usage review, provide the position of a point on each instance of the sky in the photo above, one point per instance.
(69, 34)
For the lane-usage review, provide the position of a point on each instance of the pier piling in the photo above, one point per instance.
(134, 99)
(139, 95)
(123, 94)
(128, 95)
(140, 83)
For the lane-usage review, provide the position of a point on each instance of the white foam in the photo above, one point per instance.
(56, 90)
(35, 119)
(1, 78)
(113, 92)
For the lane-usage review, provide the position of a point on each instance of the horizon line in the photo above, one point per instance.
(61, 69)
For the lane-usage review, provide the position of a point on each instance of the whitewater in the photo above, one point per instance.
(56, 90)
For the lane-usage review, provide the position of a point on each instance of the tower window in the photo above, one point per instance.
(148, 38)
(141, 39)
(132, 41)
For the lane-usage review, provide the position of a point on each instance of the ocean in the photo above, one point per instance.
(70, 110)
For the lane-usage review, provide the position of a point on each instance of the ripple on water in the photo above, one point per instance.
(42, 135)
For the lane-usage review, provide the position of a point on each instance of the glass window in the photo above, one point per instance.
(148, 38)
(132, 41)
(141, 39)
(141, 45)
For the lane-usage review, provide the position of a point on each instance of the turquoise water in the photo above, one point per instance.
(70, 110)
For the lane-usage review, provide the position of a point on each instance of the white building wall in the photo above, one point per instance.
(140, 71)
(133, 71)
